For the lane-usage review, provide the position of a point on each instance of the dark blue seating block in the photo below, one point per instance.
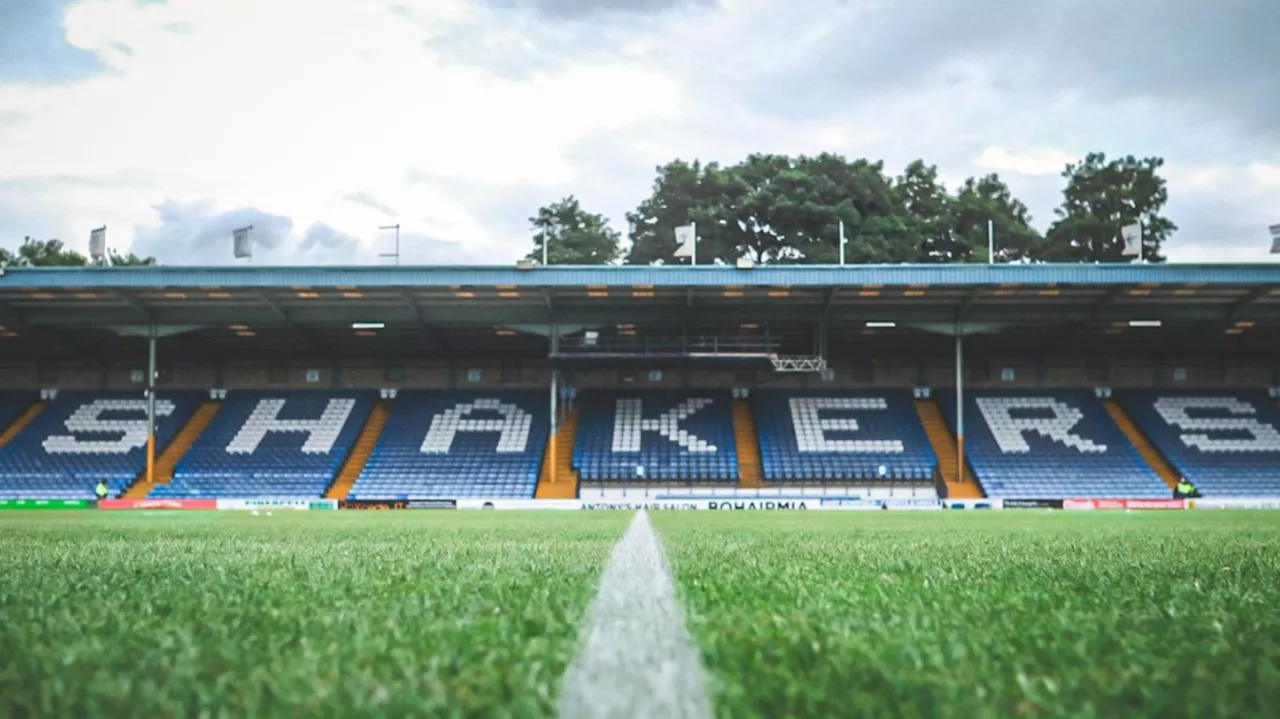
(459, 444)
(1050, 444)
(278, 444)
(82, 438)
(814, 436)
(674, 436)
(1226, 442)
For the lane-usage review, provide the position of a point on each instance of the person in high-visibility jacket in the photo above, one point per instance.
(101, 490)
(1185, 490)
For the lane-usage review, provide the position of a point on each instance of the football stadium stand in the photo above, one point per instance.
(284, 444)
(752, 379)
(444, 444)
(82, 438)
(1227, 443)
(656, 437)
(822, 436)
(1051, 444)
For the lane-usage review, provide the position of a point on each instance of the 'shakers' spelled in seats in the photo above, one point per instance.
(1226, 442)
(674, 436)
(458, 445)
(271, 444)
(1051, 444)
(82, 438)
(833, 435)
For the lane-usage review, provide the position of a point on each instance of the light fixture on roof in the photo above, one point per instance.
(882, 325)
(524, 264)
(1145, 323)
(745, 263)
(367, 325)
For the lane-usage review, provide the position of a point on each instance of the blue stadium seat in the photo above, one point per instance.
(1226, 442)
(817, 436)
(1051, 444)
(675, 436)
(82, 438)
(284, 444)
(456, 445)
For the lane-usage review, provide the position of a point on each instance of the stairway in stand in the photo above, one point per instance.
(1149, 453)
(944, 446)
(563, 484)
(750, 472)
(20, 423)
(360, 451)
(168, 459)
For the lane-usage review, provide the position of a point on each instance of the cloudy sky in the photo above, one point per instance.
(317, 121)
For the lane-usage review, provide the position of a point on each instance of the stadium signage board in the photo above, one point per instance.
(384, 504)
(864, 504)
(293, 504)
(973, 503)
(722, 504)
(1124, 504)
(45, 504)
(659, 505)
(1031, 503)
(1235, 503)
(158, 504)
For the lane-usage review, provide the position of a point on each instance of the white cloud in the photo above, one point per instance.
(456, 118)
(1033, 161)
(259, 105)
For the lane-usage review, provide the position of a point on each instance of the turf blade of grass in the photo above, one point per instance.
(983, 614)
(336, 614)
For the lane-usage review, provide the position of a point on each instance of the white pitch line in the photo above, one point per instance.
(637, 659)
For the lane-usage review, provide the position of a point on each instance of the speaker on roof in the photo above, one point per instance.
(241, 245)
(98, 244)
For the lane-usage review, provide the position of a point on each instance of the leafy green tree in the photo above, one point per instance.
(988, 198)
(771, 208)
(682, 193)
(118, 259)
(1100, 198)
(927, 218)
(574, 236)
(54, 253)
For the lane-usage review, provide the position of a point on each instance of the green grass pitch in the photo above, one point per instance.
(817, 614)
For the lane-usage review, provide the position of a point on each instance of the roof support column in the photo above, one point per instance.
(151, 405)
(824, 331)
(555, 405)
(959, 403)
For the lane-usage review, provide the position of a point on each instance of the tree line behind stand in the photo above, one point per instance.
(787, 210)
(53, 253)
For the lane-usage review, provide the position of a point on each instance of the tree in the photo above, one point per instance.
(682, 193)
(771, 208)
(575, 236)
(927, 218)
(53, 253)
(129, 260)
(1101, 197)
(989, 199)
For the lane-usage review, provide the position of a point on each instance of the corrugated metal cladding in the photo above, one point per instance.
(572, 276)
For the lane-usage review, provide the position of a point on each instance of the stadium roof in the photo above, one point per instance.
(504, 311)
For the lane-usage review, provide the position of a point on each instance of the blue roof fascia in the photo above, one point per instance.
(671, 276)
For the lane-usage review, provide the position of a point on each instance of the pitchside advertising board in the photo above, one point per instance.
(726, 504)
(45, 504)
(730, 504)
